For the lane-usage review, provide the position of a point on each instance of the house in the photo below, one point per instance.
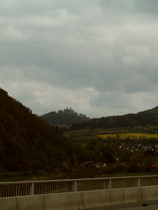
(154, 165)
(100, 165)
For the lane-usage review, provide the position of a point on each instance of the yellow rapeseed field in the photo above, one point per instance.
(129, 136)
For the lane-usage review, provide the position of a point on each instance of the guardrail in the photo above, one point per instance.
(10, 189)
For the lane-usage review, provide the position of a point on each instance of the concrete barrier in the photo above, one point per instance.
(61, 201)
(91, 199)
(8, 203)
(30, 202)
(132, 195)
(81, 200)
(116, 196)
(150, 193)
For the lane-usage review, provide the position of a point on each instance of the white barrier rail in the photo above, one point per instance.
(11, 189)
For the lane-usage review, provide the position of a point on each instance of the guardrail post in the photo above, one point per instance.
(16, 190)
(75, 186)
(109, 184)
(32, 189)
(138, 182)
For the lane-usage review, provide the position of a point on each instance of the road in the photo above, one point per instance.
(145, 207)
(142, 207)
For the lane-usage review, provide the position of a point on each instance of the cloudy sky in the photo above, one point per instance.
(99, 57)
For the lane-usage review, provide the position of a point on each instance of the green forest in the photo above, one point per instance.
(26, 142)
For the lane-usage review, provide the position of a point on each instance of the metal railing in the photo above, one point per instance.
(10, 189)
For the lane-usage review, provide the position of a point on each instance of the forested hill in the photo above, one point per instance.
(64, 117)
(26, 142)
(144, 118)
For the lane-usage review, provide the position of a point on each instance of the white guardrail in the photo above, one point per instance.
(21, 188)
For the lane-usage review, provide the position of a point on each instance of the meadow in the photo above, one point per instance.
(123, 136)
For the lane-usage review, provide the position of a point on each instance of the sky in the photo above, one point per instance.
(99, 57)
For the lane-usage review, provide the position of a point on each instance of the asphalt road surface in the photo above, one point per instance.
(142, 207)
(145, 207)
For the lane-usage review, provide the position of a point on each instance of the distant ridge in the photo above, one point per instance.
(143, 118)
(64, 118)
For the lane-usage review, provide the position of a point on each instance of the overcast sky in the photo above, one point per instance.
(99, 57)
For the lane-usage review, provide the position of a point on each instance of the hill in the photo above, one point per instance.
(26, 142)
(64, 118)
(144, 118)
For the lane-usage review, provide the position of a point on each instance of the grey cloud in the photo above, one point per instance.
(107, 46)
(147, 6)
(131, 6)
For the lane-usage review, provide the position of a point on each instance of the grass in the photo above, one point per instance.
(124, 136)
(123, 174)
(30, 176)
(13, 177)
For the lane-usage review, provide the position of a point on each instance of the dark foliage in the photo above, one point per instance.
(26, 142)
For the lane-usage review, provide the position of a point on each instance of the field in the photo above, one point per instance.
(124, 136)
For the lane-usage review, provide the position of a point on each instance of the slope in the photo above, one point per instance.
(26, 142)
